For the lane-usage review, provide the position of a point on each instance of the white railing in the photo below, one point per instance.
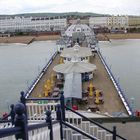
(92, 130)
(73, 119)
(37, 111)
(116, 85)
(9, 138)
(44, 133)
(56, 132)
(5, 125)
(35, 82)
(39, 134)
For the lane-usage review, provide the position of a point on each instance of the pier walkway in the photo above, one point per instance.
(38, 90)
(101, 81)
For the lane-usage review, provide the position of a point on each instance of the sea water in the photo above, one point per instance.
(123, 56)
(19, 66)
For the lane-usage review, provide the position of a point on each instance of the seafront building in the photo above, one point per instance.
(134, 21)
(27, 24)
(98, 22)
(111, 22)
(11, 24)
(82, 21)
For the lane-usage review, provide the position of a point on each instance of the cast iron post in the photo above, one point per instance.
(49, 121)
(114, 132)
(62, 101)
(20, 121)
(59, 118)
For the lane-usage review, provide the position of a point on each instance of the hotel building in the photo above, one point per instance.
(109, 21)
(28, 24)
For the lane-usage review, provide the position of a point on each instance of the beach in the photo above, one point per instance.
(28, 39)
(108, 36)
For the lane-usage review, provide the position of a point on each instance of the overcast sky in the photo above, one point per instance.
(121, 7)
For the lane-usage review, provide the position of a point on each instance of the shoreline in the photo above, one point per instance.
(100, 37)
(28, 39)
(108, 36)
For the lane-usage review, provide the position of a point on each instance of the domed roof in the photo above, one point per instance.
(76, 51)
(79, 28)
(74, 67)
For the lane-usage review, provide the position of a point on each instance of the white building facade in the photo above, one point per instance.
(13, 24)
(98, 22)
(109, 22)
(117, 22)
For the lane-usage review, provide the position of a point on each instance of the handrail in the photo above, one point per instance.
(5, 121)
(80, 131)
(34, 83)
(9, 131)
(41, 125)
(35, 99)
(91, 121)
(5, 132)
(118, 88)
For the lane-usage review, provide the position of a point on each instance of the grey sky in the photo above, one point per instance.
(121, 7)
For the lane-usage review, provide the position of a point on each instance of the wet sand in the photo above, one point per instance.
(100, 37)
(27, 39)
(106, 37)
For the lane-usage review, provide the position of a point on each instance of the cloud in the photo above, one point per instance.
(96, 6)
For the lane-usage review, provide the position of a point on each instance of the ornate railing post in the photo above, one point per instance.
(114, 132)
(62, 102)
(12, 114)
(49, 121)
(20, 121)
(22, 97)
(59, 118)
(23, 101)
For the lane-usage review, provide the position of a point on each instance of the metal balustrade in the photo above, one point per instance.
(37, 131)
(36, 111)
(117, 86)
(34, 83)
(68, 125)
(87, 126)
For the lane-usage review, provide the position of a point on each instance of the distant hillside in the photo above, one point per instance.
(69, 14)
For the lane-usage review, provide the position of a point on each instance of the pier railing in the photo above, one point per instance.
(34, 83)
(117, 86)
(66, 116)
(113, 132)
(43, 128)
(21, 130)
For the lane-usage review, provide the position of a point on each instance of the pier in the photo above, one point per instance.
(53, 118)
(101, 80)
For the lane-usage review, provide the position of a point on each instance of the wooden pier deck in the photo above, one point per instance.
(38, 90)
(101, 81)
(112, 102)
